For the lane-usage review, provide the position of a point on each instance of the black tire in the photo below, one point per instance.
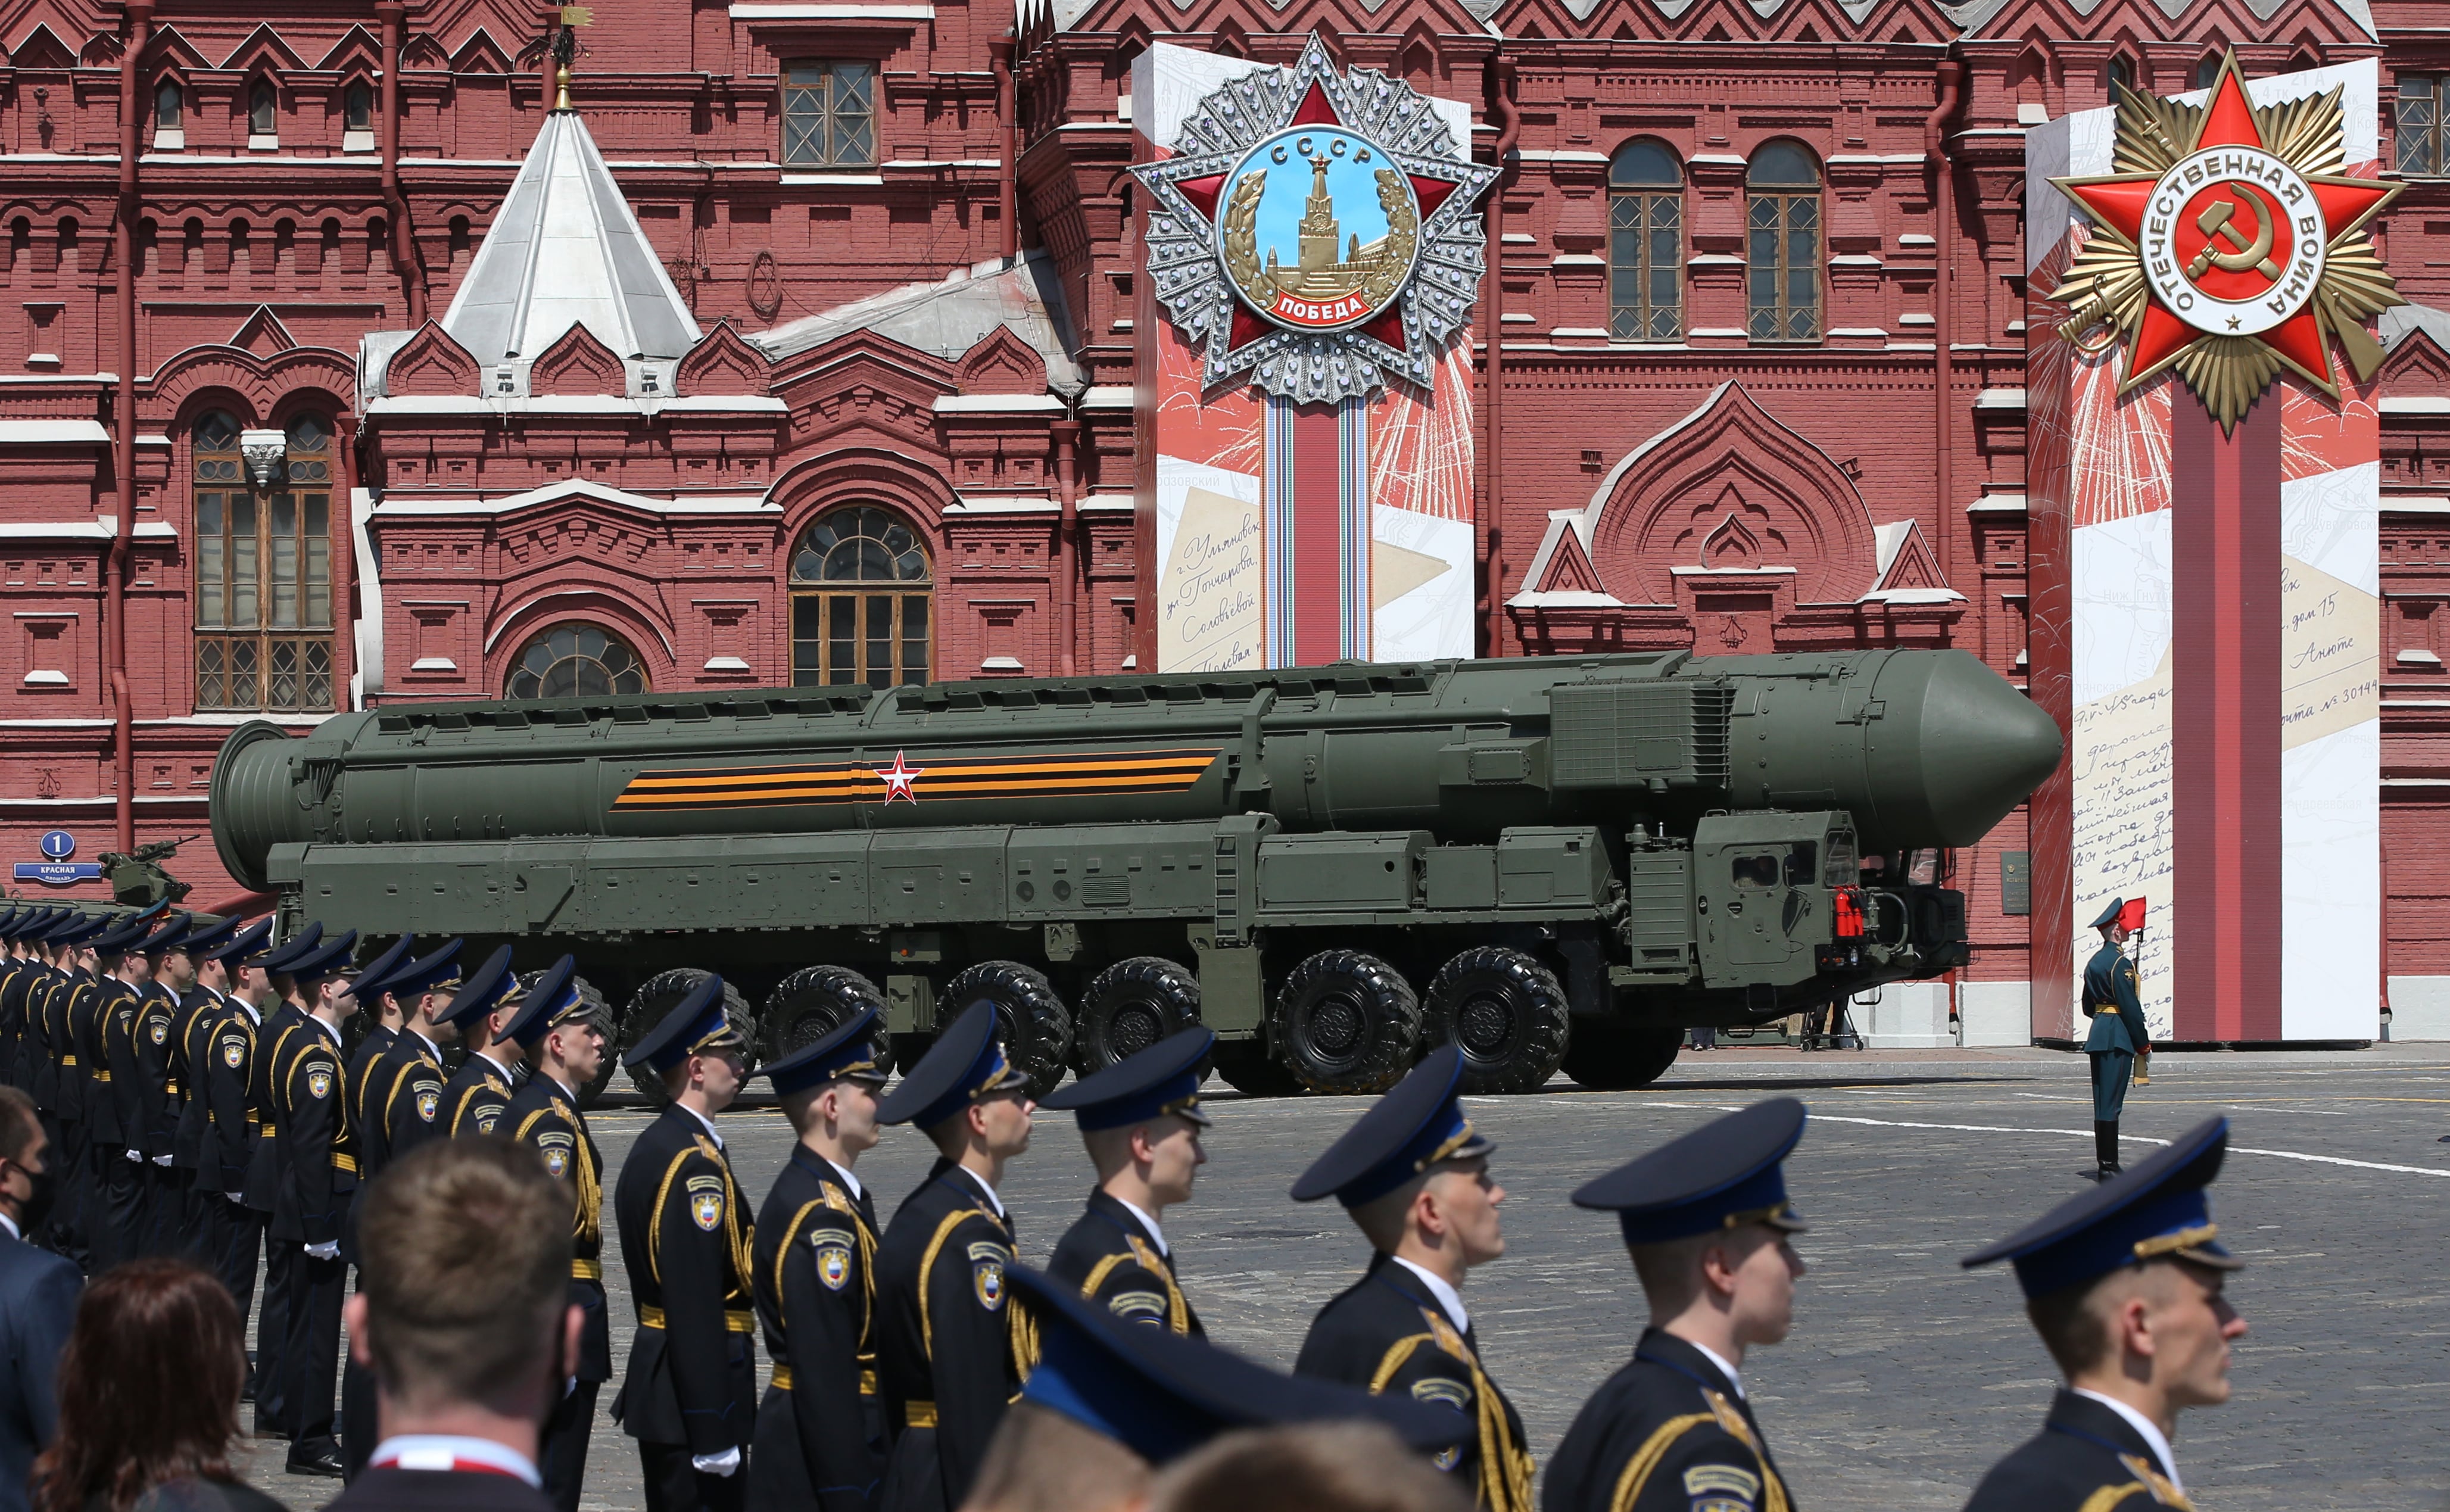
(654, 999)
(1607, 1054)
(1249, 1069)
(1030, 1014)
(1346, 1021)
(597, 1005)
(813, 1002)
(1507, 1012)
(1129, 1006)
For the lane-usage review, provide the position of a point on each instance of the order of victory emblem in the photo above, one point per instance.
(2231, 245)
(1314, 232)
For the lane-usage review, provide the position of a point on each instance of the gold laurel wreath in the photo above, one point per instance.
(2104, 283)
(1242, 236)
(1403, 237)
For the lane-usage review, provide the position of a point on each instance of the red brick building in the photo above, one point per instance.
(802, 350)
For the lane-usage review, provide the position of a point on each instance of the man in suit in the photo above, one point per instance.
(476, 1096)
(2117, 1037)
(1413, 1174)
(1141, 1121)
(820, 1432)
(2126, 1285)
(950, 1353)
(556, 1030)
(690, 1395)
(1706, 1220)
(38, 1297)
(462, 1317)
(319, 1179)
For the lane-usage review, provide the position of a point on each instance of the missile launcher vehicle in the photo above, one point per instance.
(1545, 859)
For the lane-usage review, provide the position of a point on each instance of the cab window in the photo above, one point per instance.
(1757, 871)
(1800, 865)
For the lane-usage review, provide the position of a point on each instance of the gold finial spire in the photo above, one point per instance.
(561, 88)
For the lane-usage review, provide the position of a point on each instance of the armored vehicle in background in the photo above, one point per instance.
(1546, 861)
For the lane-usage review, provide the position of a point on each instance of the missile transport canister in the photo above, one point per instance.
(1541, 859)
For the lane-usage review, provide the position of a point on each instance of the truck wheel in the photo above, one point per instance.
(1506, 1012)
(654, 999)
(1129, 1006)
(601, 1009)
(1036, 1026)
(1346, 1022)
(1249, 1069)
(1608, 1055)
(813, 1002)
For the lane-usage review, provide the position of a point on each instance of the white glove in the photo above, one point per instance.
(724, 1464)
(160, 1160)
(328, 1249)
(237, 1200)
(136, 1155)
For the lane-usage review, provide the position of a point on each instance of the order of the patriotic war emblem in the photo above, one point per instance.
(1314, 232)
(2230, 243)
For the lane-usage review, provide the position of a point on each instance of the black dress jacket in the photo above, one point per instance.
(1386, 1333)
(951, 1349)
(2087, 1455)
(1666, 1433)
(1110, 1257)
(692, 1374)
(475, 1097)
(820, 1430)
(544, 1114)
(398, 1490)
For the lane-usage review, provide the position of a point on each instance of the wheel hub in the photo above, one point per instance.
(1136, 1028)
(1484, 1025)
(1336, 1024)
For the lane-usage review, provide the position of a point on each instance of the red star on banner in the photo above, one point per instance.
(2120, 203)
(898, 779)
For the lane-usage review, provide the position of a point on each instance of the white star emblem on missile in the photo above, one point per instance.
(899, 777)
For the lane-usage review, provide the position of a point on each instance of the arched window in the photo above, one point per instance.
(862, 593)
(263, 564)
(357, 107)
(1645, 242)
(262, 115)
(169, 105)
(1783, 243)
(2121, 74)
(2208, 69)
(574, 661)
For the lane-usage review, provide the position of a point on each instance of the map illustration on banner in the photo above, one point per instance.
(1314, 237)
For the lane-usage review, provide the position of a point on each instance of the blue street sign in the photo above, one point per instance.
(58, 873)
(58, 844)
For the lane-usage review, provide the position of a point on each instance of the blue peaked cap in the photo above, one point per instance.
(2159, 1208)
(1155, 1082)
(1403, 1134)
(1730, 1171)
(846, 1050)
(693, 1026)
(964, 1064)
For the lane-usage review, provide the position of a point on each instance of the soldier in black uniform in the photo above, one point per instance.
(17, 975)
(62, 1078)
(195, 1236)
(89, 987)
(396, 1105)
(1141, 1121)
(319, 1176)
(1415, 1175)
(2126, 1286)
(950, 1351)
(267, 973)
(479, 1092)
(2117, 1037)
(690, 1395)
(369, 996)
(225, 1140)
(820, 1439)
(117, 1106)
(563, 1046)
(1707, 1219)
(151, 1112)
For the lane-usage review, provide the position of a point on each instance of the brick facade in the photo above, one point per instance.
(1713, 483)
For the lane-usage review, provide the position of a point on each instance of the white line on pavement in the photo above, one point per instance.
(2087, 1134)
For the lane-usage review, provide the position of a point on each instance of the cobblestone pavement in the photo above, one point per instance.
(1906, 1375)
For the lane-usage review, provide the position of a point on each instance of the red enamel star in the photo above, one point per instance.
(2231, 239)
(899, 777)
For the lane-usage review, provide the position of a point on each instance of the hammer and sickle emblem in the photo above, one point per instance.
(2216, 224)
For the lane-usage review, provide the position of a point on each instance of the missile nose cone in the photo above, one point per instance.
(1985, 747)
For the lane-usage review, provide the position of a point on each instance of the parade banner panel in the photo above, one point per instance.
(2204, 488)
(1313, 250)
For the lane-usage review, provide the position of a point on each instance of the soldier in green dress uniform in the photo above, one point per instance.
(2117, 1036)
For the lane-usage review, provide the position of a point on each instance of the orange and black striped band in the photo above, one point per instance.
(1065, 774)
